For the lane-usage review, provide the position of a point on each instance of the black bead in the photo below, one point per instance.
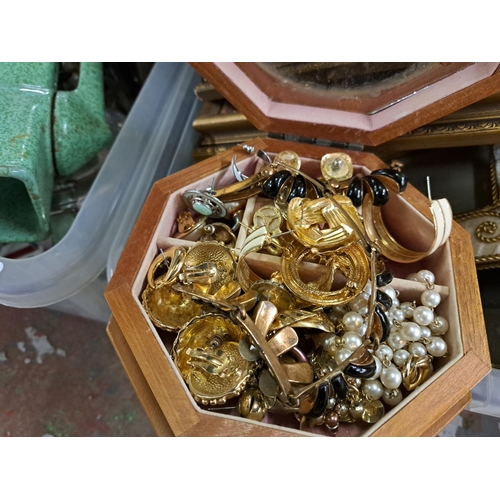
(384, 278)
(340, 386)
(399, 177)
(384, 321)
(380, 192)
(365, 371)
(321, 401)
(271, 186)
(320, 191)
(355, 191)
(384, 299)
(299, 188)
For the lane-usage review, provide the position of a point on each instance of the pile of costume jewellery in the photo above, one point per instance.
(323, 336)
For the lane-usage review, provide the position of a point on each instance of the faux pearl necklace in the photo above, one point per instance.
(415, 337)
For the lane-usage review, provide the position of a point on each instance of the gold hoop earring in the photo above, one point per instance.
(386, 243)
(351, 260)
(175, 257)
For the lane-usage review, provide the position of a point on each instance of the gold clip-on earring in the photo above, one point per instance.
(206, 351)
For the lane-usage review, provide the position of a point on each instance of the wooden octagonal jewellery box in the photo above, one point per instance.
(295, 287)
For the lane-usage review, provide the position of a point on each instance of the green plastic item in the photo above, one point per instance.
(34, 116)
(80, 128)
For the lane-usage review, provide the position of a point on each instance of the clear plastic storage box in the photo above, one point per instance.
(156, 140)
(486, 395)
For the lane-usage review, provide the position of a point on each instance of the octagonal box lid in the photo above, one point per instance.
(425, 412)
(359, 103)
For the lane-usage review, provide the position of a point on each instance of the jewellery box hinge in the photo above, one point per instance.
(318, 142)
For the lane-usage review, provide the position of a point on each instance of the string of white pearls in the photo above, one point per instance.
(416, 332)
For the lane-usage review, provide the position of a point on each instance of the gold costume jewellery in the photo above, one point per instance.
(324, 223)
(387, 244)
(168, 309)
(351, 261)
(210, 265)
(207, 354)
(174, 259)
(321, 334)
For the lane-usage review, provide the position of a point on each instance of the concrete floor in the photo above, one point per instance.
(60, 376)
